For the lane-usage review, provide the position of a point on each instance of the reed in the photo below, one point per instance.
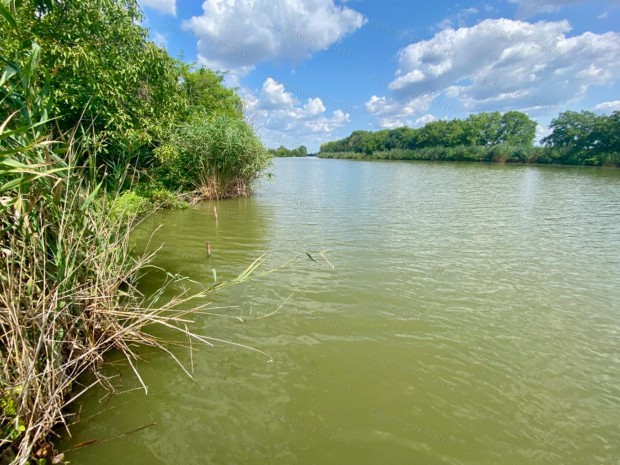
(214, 157)
(67, 274)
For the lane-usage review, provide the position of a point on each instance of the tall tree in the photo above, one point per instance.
(572, 130)
(102, 68)
(517, 129)
(484, 129)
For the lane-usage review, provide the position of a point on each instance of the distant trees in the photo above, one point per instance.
(282, 151)
(579, 138)
(483, 129)
(585, 137)
(517, 128)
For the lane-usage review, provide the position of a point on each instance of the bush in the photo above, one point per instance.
(217, 157)
(129, 204)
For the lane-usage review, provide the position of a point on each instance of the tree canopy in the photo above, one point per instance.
(483, 129)
(128, 97)
(282, 151)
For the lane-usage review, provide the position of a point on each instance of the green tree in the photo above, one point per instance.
(432, 134)
(103, 70)
(484, 129)
(282, 151)
(300, 151)
(572, 130)
(205, 92)
(606, 134)
(517, 129)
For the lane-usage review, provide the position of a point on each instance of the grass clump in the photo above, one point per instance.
(133, 204)
(214, 157)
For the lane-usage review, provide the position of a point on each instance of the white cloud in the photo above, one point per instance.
(460, 19)
(274, 97)
(501, 65)
(159, 39)
(528, 8)
(281, 119)
(382, 106)
(393, 113)
(614, 105)
(163, 6)
(391, 123)
(237, 35)
(422, 120)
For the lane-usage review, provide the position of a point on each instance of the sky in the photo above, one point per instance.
(311, 71)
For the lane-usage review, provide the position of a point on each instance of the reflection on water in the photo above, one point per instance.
(466, 314)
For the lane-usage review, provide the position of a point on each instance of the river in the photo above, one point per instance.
(459, 314)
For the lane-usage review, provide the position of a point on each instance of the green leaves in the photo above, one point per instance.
(220, 150)
(483, 129)
(585, 138)
(7, 14)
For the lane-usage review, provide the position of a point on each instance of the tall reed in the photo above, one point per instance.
(213, 156)
(67, 276)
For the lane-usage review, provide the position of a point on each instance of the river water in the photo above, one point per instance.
(428, 313)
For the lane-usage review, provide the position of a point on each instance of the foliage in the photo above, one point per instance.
(129, 205)
(502, 153)
(585, 138)
(205, 93)
(282, 151)
(105, 76)
(103, 72)
(576, 139)
(217, 155)
(67, 275)
(517, 128)
(484, 129)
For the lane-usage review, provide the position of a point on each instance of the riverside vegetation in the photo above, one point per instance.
(577, 138)
(283, 152)
(97, 125)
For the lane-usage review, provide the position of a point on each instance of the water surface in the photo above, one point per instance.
(466, 314)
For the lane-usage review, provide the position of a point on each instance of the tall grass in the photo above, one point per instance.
(215, 157)
(67, 276)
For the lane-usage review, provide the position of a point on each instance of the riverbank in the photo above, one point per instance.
(79, 163)
(500, 153)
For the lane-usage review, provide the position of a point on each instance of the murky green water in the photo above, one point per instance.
(472, 316)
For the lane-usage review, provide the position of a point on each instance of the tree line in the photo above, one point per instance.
(581, 138)
(282, 151)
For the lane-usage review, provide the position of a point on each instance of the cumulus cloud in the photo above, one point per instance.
(163, 6)
(237, 35)
(282, 119)
(422, 120)
(394, 113)
(460, 19)
(502, 65)
(614, 105)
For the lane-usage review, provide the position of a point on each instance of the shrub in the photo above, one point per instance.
(217, 157)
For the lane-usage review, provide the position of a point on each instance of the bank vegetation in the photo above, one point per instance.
(576, 138)
(97, 126)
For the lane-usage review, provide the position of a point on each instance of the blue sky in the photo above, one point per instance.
(311, 71)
